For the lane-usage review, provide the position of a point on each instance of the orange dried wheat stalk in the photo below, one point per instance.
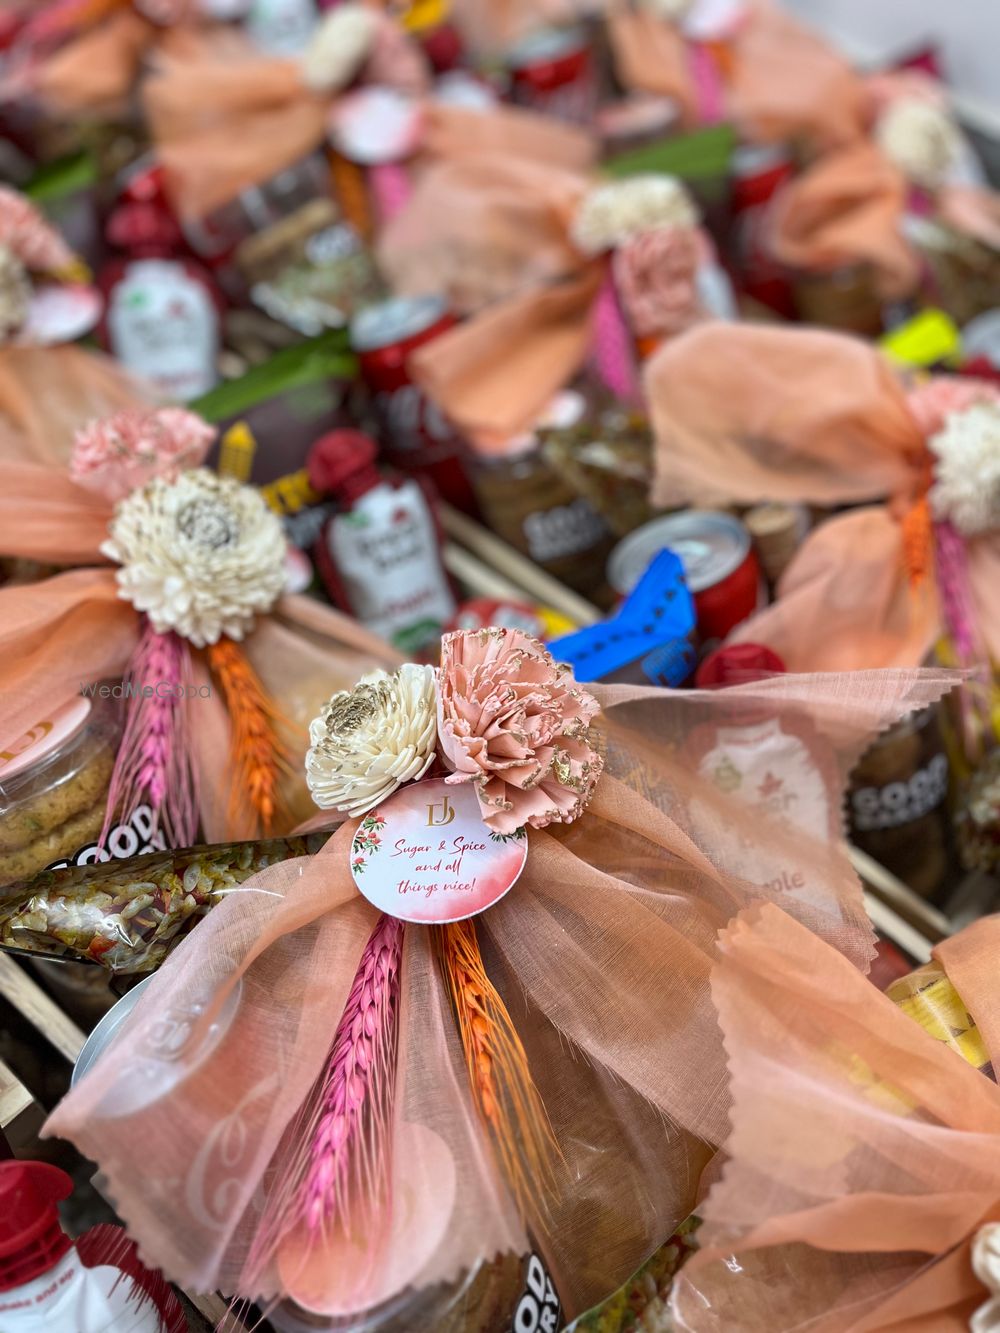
(259, 757)
(503, 1089)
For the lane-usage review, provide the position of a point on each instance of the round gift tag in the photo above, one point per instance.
(425, 855)
(375, 125)
(61, 313)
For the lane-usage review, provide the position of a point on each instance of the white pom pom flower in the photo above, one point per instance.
(921, 139)
(370, 740)
(966, 490)
(338, 48)
(613, 213)
(202, 555)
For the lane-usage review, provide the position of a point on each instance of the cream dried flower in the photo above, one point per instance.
(15, 293)
(966, 490)
(340, 46)
(370, 740)
(921, 139)
(202, 555)
(612, 213)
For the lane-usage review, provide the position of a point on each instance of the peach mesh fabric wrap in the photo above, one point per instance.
(481, 227)
(224, 117)
(863, 1154)
(603, 951)
(93, 74)
(48, 393)
(783, 83)
(747, 414)
(72, 629)
(846, 210)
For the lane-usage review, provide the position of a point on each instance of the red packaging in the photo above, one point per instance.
(162, 311)
(484, 612)
(414, 435)
(720, 567)
(738, 664)
(758, 175)
(553, 72)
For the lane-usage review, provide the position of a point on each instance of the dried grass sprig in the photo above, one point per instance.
(503, 1088)
(260, 757)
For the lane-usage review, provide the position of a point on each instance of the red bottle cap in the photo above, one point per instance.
(342, 464)
(31, 1238)
(738, 664)
(137, 226)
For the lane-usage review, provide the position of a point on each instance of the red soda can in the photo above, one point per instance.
(720, 568)
(758, 175)
(414, 434)
(553, 71)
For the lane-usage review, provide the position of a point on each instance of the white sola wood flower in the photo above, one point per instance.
(613, 213)
(921, 139)
(966, 488)
(339, 47)
(370, 740)
(202, 555)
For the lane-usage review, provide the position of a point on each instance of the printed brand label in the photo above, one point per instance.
(554, 534)
(899, 803)
(163, 326)
(768, 769)
(425, 855)
(410, 423)
(134, 837)
(71, 1297)
(386, 554)
(538, 1310)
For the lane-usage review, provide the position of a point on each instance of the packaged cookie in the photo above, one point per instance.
(54, 784)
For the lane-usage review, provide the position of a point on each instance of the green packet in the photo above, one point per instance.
(126, 915)
(640, 1305)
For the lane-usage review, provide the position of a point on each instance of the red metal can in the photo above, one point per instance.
(737, 664)
(720, 567)
(758, 174)
(414, 434)
(553, 71)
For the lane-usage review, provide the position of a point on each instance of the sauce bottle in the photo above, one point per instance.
(47, 1282)
(162, 311)
(379, 557)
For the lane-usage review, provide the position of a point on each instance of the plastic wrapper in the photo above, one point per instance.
(930, 999)
(128, 915)
(606, 458)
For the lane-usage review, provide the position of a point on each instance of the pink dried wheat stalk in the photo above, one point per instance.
(348, 1145)
(341, 1164)
(154, 760)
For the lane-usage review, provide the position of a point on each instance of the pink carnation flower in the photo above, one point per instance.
(29, 238)
(656, 274)
(938, 398)
(119, 454)
(514, 722)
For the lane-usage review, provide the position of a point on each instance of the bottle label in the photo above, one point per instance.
(899, 803)
(163, 326)
(566, 530)
(386, 554)
(70, 1298)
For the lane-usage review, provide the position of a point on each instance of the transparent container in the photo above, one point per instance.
(54, 784)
